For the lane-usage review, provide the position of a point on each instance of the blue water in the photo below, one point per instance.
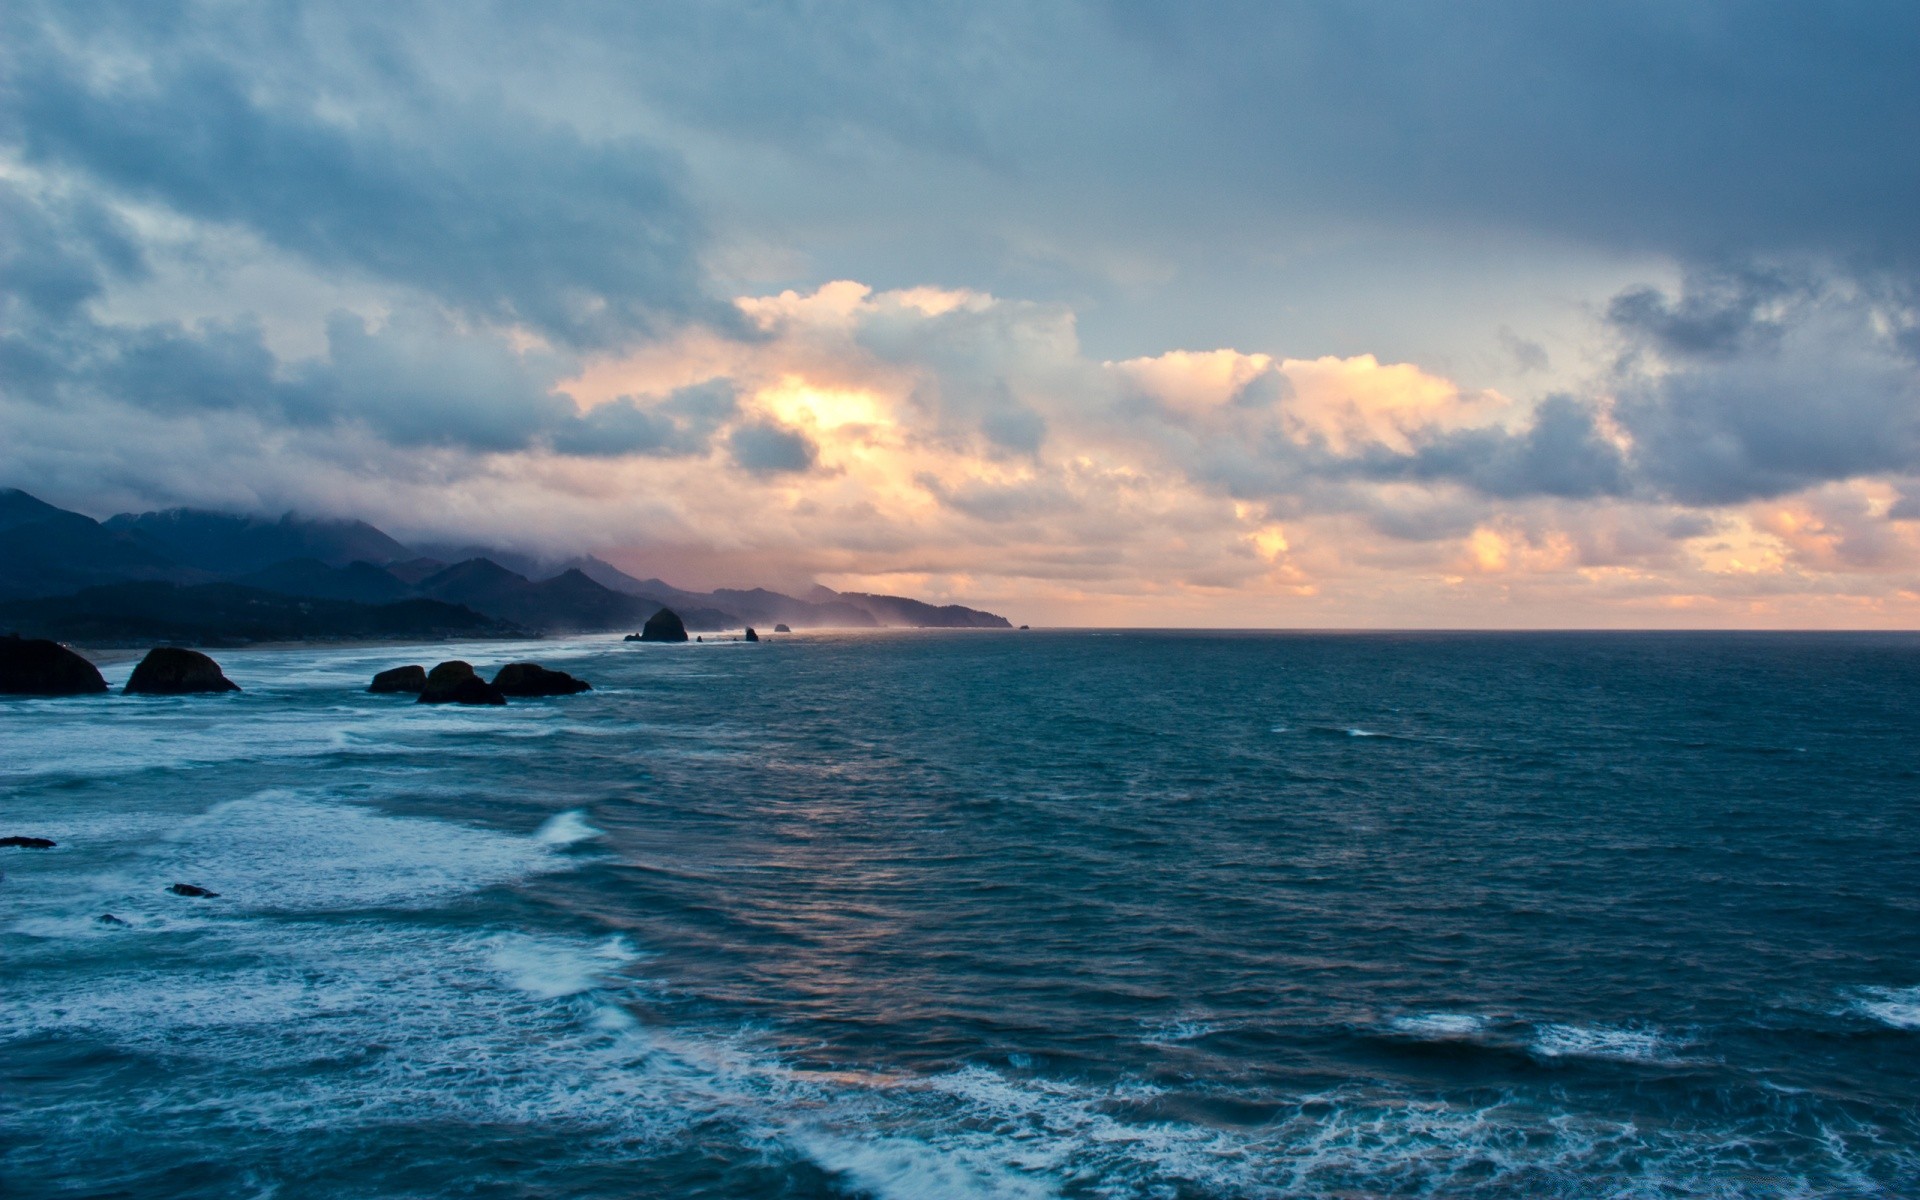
(981, 914)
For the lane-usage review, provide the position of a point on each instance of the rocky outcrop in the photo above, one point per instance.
(782, 628)
(454, 682)
(35, 667)
(28, 843)
(172, 671)
(664, 626)
(532, 679)
(110, 919)
(194, 890)
(751, 635)
(410, 678)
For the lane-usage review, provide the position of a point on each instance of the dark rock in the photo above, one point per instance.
(172, 671)
(194, 890)
(29, 843)
(751, 635)
(664, 626)
(110, 919)
(632, 637)
(699, 639)
(532, 679)
(454, 682)
(411, 678)
(781, 628)
(1023, 627)
(33, 667)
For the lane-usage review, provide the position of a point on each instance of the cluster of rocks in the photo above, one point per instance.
(666, 626)
(455, 682)
(36, 667)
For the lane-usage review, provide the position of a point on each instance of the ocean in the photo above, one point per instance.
(940, 914)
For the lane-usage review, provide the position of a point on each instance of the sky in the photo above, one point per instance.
(1268, 314)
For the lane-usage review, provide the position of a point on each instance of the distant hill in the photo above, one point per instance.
(568, 603)
(45, 551)
(226, 614)
(916, 614)
(226, 544)
(361, 582)
(302, 578)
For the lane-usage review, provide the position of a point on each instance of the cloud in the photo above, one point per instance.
(1109, 307)
(474, 201)
(1740, 392)
(683, 423)
(765, 448)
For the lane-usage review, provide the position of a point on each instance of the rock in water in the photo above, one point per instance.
(632, 637)
(781, 628)
(171, 671)
(412, 678)
(751, 635)
(36, 667)
(29, 843)
(532, 679)
(454, 682)
(110, 919)
(664, 626)
(194, 890)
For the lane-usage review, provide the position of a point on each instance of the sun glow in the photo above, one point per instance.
(797, 402)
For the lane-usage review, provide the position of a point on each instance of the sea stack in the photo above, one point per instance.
(751, 635)
(36, 667)
(782, 628)
(453, 682)
(532, 679)
(664, 626)
(172, 671)
(411, 678)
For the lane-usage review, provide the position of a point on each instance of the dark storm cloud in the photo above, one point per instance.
(1563, 454)
(683, 423)
(419, 379)
(765, 448)
(1702, 129)
(1744, 387)
(475, 201)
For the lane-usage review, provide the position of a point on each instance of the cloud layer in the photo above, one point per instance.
(590, 284)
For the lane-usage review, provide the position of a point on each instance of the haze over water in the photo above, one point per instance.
(936, 914)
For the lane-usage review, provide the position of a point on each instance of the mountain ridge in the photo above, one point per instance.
(49, 554)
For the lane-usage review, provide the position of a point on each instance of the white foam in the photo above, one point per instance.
(284, 851)
(1357, 732)
(1898, 1007)
(1171, 1032)
(1603, 1042)
(550, 968)
(565, 829)
(911, 1169)
(1439, 1026)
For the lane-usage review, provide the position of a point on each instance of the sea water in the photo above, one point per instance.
(979, 914)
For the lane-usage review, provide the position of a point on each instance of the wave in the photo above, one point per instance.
(1896, 1007)
(1605, 1043)
(566, 829)
(1170, 1032)
(1440, 1026)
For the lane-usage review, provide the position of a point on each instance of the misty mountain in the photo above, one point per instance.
(361, 582)
(225, 544)
(46, 551)
(568, 603)
(297, 577)
(914, 614)
(760, 606)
